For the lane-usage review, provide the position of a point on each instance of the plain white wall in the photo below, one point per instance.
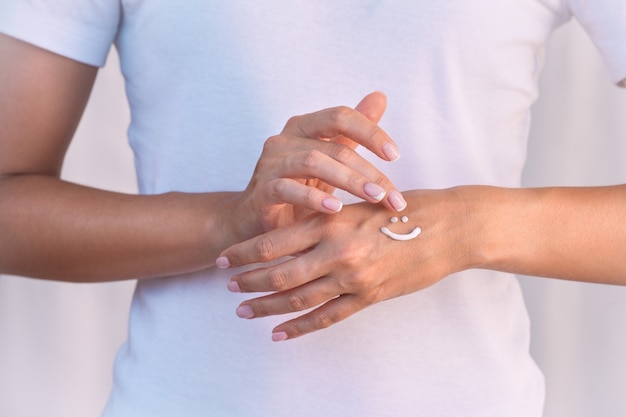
(58, 341)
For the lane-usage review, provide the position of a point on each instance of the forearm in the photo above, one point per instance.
(569, 233)
(56, 230)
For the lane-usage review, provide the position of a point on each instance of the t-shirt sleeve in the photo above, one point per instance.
(605, 22)
(82, 30)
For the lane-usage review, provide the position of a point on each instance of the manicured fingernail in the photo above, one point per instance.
(222, 262)
(397, 200)
(245, 312)
(390, 151)
(332, 204)
(233, 286)
(279, 336)
(374, 190)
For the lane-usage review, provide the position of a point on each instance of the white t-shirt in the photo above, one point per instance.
(208, 82)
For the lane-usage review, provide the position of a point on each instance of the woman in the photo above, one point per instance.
(207, 85)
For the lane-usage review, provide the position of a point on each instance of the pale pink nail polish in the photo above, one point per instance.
(233, 286)
(397, 200)
(279, 336)
(391, 152)
(374, 190)
(245, 312)
(222, 262)
(332, 204)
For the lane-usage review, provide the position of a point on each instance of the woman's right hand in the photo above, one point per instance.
(300, 168)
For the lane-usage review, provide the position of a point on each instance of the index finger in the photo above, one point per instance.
(373, 107)
(347, 122)
(270, 246)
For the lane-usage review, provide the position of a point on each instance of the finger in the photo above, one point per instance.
(272, 245)
(326, 315)
(341, 167)
(321, 185)
(346, 122)
(278, 278)
(294, 300)
(335, 164)
(373, 107)
(286, 190)
(295, 157)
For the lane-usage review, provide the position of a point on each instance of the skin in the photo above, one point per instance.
(56, 230)
(346, 264)
(53, 229)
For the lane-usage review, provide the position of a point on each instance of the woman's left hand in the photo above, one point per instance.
(345, 263)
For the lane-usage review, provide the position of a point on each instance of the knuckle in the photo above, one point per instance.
(293, 121)
(374, 296)
(357, 282)
(277, 280)
(350, 255)
(373, 134)
(382, 180)
(311, 159)
(342, 153)
(340, 116)
(310, 197)
(272, 142)
(323, 321)
(356, 182)
(276, 188)
(264, 248)
(296, 301)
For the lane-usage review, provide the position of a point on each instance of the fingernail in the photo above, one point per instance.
(397, 200)
(332, 204)
(222, 262)
(374, 190)
(233, 286)
(279, 336)
(245, 312)
(390, 151)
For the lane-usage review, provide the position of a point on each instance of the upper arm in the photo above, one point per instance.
(623, 83)
(42, 98)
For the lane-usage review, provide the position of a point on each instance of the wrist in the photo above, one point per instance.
(230, 220)
(451, 227)
(493, 217)
(462, 224)
(239, 218)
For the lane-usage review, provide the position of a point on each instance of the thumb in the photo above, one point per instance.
(373, 106)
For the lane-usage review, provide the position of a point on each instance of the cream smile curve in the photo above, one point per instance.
(397, 236)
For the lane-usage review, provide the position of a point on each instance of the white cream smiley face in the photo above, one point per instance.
(397, 236)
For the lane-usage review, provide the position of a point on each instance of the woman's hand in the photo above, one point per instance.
(314, 154)
(346, 263)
